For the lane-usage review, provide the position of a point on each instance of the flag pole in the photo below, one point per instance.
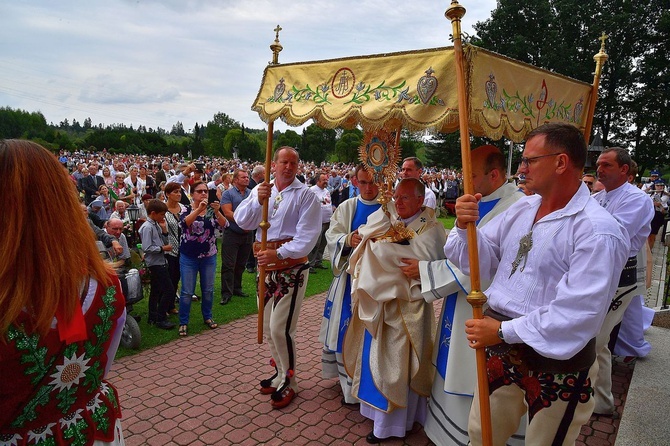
(600, 59)
(476, 297)
(265, 224)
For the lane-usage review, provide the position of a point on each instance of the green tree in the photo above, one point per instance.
(215, 132)
(444, 150)
(561, 35)
(410, 144)
(288, 138)
(346, 147)
(651, 102)
(178, 129)
(22, 124)
(317, 143)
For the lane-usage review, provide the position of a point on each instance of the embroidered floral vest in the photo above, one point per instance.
(54, 394)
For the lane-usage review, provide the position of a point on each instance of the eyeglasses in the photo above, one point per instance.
(525, 161)
(589, 183)
(201, 191)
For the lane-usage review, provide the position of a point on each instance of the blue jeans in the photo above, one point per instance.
(189, 268)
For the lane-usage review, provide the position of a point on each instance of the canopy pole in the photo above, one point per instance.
(476, 298)
(600, 59)
(265, 224)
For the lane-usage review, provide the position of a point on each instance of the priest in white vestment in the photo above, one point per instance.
(388, 346)
(343, 237)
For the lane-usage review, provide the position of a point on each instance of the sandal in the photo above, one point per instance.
(182, 331)
(211, 324)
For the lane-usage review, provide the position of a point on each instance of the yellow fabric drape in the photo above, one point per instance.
(506, 97)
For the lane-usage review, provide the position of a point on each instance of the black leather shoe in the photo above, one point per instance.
(225, 300)
(372, 438)
(240, 293)
(344, 403)
(165, 325)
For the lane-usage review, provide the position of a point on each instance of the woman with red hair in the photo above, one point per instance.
(61, 309)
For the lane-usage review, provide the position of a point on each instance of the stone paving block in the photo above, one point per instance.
(159, 439)
(185, 438)
(213, 437)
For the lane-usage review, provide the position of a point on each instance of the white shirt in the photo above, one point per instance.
(633, 210)
(661, 198)
(295, 212)
(323, 196)
(141, 188)
(560, 295)
(429, 199)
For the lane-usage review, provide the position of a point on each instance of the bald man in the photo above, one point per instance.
(454, 381)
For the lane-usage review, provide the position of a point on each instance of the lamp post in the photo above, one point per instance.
(133, 213)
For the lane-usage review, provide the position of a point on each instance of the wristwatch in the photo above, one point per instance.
(279, 256)
(500, 333)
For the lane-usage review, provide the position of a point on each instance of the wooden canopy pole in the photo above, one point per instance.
(476, 298)
(265, 224)
(600, 59)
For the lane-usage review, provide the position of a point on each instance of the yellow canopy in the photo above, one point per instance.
(505, 97)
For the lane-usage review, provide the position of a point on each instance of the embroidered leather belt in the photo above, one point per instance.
(280, 264)
(629, 274)
(524, 356)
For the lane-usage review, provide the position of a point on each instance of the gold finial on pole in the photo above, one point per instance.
(455, 13)
(265, 224)
(600, 60)
(476, 298)
(602, 39)
(276, 46)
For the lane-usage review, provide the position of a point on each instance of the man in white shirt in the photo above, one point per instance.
(294, 217)
(554, 257)
(634, 211)
(323, 196)
(649, 185)
(455, 377)
(412, 167)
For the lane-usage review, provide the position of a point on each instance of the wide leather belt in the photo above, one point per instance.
(280, 264)
(525, 357)
(629, 274)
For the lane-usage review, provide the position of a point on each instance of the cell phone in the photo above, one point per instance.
(211, 196)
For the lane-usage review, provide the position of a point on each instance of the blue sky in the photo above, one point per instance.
(156, 62)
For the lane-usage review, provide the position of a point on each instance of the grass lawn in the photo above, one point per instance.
(237, 308)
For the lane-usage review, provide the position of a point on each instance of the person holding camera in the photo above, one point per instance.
(197, 254)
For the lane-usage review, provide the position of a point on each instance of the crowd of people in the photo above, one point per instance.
(562, 261)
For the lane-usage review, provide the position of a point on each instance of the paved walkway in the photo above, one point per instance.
(203, 390)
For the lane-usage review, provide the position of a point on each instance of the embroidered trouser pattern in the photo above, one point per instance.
(285, 291)
(603, 382)
(557, 404)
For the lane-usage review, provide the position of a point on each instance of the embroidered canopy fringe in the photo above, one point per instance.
(505, 97)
